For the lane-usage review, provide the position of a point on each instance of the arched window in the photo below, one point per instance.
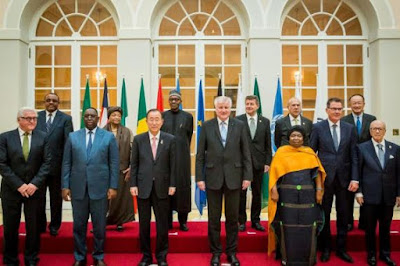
(322, 37)
(74, 40)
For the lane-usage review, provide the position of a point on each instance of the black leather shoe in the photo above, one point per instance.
(258, 227)
(371, 260)
(350, 227)
(99, 263)
(215, 260)
(79, 263)
(183, 227)
(242, 227)
(325, 256)
(162, 263)
(233, 260)
(344, 256)
(53, 232)
(387, 260)
(119, 228)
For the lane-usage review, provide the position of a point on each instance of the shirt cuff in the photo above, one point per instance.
(359, 195)
(355, 181)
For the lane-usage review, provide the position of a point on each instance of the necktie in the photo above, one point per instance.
(296, 121)
(358, 126)
(25, 146)
(252, 127)
(48, 123)
(223, 133)
(154, 146)
(335, 137)
(90, 144)
(381, 155)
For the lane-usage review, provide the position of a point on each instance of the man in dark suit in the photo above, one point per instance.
(294, 118)
(361, 121)
(223, 166)
(24, 166)
(90, 173)
(335, 143)
(259, 135)
(153, 169)
(57, 125)
(379, 171)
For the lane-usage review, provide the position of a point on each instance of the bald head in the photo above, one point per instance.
(294, 107)
(377, 130)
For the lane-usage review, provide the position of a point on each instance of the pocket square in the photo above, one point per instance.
(391, 156)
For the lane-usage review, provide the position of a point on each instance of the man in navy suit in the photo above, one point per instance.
(379, 191)
(24, 166)
(90, 173)
(335, 143)
(57, 125)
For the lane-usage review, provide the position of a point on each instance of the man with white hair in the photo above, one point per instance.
(223, 167)
(24, 166)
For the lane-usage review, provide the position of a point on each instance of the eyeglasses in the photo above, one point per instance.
(51, 100)
(379, 129)
(30, 119)
(336, 109)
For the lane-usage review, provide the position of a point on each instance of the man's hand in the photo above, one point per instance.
(171, 191)
(360, 200)
(353, 186)
(274, 195)
(134, 191)
(266, 168)
(31, 189)
(111, 193)
(398, 201)
(66, 194)
(201, 185)
(318, 196)
(245, 184)
(22, 189)
(127, 173)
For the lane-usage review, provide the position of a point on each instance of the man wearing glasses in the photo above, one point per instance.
(57, 126)
(335, 143)
(24, 166)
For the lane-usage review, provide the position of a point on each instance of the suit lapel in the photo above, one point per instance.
(160, 146)
(216, 129)
(287, 122)
(98, 138)
(259, 123)
(329, 133)
(388, 152)
(41, 123)
(56, 121)
(363, 125)
(372, 151)
(342, 135)
(230, 128)
(17, 143)
(82, 138)
(147, 146)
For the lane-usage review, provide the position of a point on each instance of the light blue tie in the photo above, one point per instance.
(335, 137)
(381, 155)
(358, 126)
(90, 144)
(223, 133)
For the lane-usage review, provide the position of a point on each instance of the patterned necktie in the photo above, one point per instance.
(335, 137)
(90, 144)
(48, 123)
(296, 121)
(252, 127)
(154, 147)
(25, 146)
(381, 155)
(223, 133)
(358, 126)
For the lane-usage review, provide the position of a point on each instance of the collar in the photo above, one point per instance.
(53, 114)
(292, 117)
(355, 116)
(383, 142)
(226, 121)
(157, 136)
(255, 116)
(93, 130)
(331, 123)
(22, 133)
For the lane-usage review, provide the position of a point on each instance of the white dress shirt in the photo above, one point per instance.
(355, 118)
(53, 114)
(87, 135)
(337, 129)
(151, 136)
(226, 124)
(292, 122)
(255, 117)
(376, 146)
(22, 136)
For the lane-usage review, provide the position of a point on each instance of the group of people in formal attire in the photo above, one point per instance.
(100, 169)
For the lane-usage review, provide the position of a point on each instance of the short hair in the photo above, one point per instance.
(253, 98)
(25, 109)
(357, 94)
(375, 121)
(52, 93)
(153, 110)
(299, 129)
(223, 99)
(333, 99)
(92, 108)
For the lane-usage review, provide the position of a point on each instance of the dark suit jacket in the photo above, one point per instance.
(13, 167)
(57, 137)
(342, 163)
(376, 184)
(260, 145)
(144, 169)
(366, 122)
(216, 164)
(98, 173)
(282, 127)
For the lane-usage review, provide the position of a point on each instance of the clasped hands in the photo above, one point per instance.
(27, 190)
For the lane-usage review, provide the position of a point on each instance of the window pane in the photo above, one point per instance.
(111, 73)
(165, 93)
(44, 29)
(88, 55)
(339, 93)
(290, 27)
(208, 6)
(209, 115)
(231, 28)
(290, 54)
(108, 28)
(232, 76)
(345, 12)
(93, 98)
(288, 76)
(210, 95)
(186, 76)
(100, 13)
(191, 6)
(213, 54)
(212, 77)
(354, 54)
(298, 12)
(232, 54)
(167, 76)
(108, 55)
(91, 71)
(187, 29)
(353, 27)
(175, 12)
(223, 12)
(76, 22)
(89, 29)
(212, 29)
(167, 28)
(309, 28)
(43, 77)
(335, 54)
(199, 21)
(166, 54)
(67, 6)
(232, 93)
(186, 55)
(43, 55)
(313, 6)
(65, 98)
(188, 98)
(85, 6)
(309, 76)
(354, 91)
(334, 28)
(308, 98)
(322, 21)
(286, 95)
(62, 77)
(52, 13)
(309, 114)
(330, 5)
(63, 29)
(62, 55)
(39, 98)
(309, 54)
(354, 76)
(335, 76)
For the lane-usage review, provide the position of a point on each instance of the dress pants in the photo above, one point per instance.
(341, 194)
(161, 209)
(256, 199)
(232, 198)
(373, 214)
(80, 212)
(182, 217)
(53, 182)
(11, 221)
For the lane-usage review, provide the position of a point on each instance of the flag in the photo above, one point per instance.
(240, 106)
(277, 112)
(160, 105)
(141, 121)
(297, 92)
(321, 99)
(178, 88)
(103, 114)
(86, 102)
(219, 91)
(200, 196)
(124, 104)
(257, 93)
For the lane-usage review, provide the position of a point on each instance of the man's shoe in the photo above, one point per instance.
(387, 260)
(215, 260)
(99, 263)
(145, 261)
(242, 227)
(183, 227)
(53, 232)
(79, 263)
(350, 227)
(344, 256)
(258, 227)
(233, 260)
(119, 228)
(162, 263)
(325, 256)
(371, 260)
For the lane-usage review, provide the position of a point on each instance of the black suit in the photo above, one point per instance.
(362, 137)
(16, 172)
(260, 149)
(380, 187)
(153, 177)
(223, 169)
(282, 127)
(340, 168)
(57, 137)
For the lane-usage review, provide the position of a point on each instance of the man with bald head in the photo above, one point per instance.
(294, 118)
(379, 171)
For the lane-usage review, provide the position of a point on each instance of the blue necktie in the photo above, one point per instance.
(90, 144)
(358, 126)
(48, 123)
(223, 133)
(381, 155)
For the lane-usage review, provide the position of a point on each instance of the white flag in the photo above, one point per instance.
(320, 103)
(240, 105)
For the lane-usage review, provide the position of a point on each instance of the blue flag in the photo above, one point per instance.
(277, 113)
(178, 88)
(200, 196)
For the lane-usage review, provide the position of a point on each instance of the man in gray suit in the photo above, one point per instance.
(90, 174)
(223, 166)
